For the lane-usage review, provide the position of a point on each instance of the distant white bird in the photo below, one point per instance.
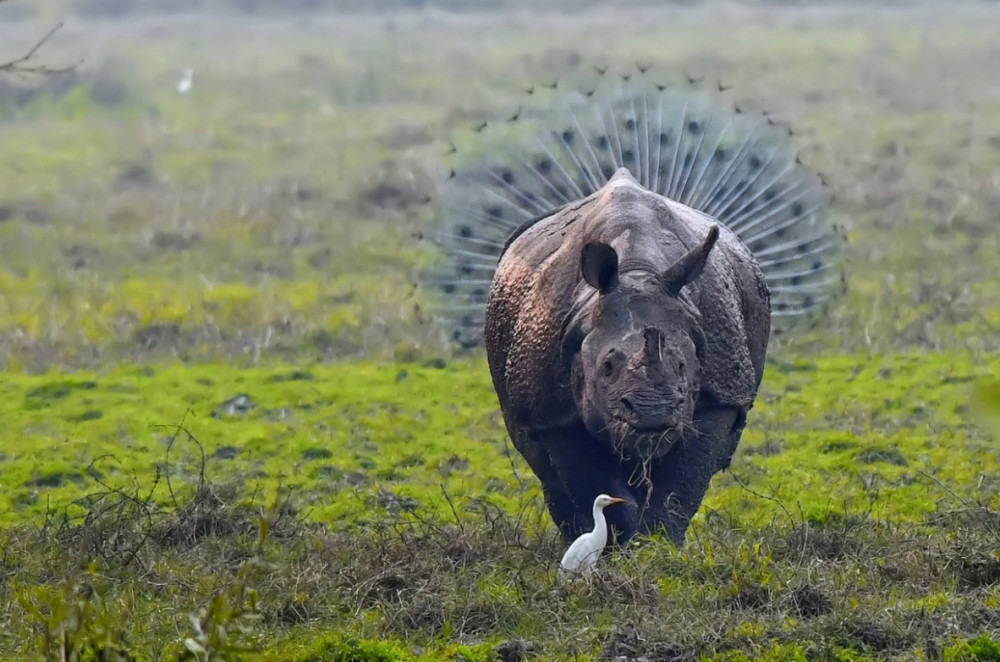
(184, 84)
(583, 554)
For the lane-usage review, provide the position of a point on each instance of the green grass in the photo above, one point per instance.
(828, 435)
(161, 255)
(142, 472)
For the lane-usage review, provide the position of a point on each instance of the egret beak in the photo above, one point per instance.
(617, 500)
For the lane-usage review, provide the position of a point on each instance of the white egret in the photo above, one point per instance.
(583, 554)
(184, 84)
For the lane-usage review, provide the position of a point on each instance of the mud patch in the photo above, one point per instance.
(887, 455)
(316, 454)
(239, 405)
(226, 452)
(398, 184)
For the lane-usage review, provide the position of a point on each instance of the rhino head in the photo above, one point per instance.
(636, 377)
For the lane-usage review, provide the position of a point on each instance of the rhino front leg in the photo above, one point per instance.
(574, 471)
(735, 433)
(681, 479)
(557, 499)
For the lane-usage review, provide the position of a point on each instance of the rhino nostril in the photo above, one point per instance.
(627, 405)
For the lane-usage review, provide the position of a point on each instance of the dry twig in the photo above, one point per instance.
(23, 64)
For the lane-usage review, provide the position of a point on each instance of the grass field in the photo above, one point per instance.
(231, 430)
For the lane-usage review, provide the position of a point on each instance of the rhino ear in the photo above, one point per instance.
(689, 267)
(599, 264)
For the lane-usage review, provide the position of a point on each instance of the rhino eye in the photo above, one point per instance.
(682, 366)
(611, 364)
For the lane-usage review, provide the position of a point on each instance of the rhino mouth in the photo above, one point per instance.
(646, 443)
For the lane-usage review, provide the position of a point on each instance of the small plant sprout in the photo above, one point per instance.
(582, 555)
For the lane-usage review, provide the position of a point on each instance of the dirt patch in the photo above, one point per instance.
(398, 183)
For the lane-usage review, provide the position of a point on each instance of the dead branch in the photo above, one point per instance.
(23, 64)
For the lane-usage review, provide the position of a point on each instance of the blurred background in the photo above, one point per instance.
(237, 179)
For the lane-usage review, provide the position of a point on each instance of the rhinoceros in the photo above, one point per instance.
(623, 255)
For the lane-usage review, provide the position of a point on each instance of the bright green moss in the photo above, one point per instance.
(816, 439)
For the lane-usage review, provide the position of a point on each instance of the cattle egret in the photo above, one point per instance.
(582, 555)
(184, 84)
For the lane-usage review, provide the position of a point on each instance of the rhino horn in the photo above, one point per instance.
(690, 266)
(654, 346)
